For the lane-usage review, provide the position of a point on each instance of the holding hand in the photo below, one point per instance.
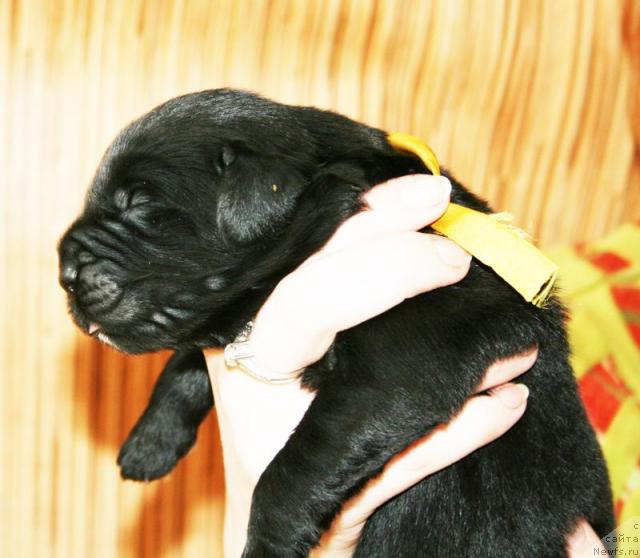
(375, 260)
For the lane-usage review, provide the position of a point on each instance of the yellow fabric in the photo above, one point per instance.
(495, 243)
(598, 327)
(600, 284)
(405, 142)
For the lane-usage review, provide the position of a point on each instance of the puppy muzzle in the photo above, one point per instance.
(94, 284)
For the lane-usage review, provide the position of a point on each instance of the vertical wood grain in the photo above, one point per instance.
(533, 104)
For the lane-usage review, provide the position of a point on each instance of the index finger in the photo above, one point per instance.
(407, 203)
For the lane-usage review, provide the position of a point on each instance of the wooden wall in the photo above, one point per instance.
(532, 103)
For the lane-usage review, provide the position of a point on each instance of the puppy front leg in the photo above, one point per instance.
(167, 430)
(344, 439)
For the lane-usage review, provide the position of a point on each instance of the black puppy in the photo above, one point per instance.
(182, 239)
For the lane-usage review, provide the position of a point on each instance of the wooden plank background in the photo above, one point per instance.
(532, 103)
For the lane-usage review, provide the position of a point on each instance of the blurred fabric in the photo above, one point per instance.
(533, 105)
(600, 284)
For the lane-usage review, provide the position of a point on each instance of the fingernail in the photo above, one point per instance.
(512, 396)
(531, 354)
(450, 253)
(425, 191)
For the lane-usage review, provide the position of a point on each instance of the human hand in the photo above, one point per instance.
(374, 261)
(342, 285)
(480, 421)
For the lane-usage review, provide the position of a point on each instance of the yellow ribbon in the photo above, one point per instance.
(489, 238)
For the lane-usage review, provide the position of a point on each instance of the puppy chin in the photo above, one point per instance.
(134, 340)
(127, 345)
(105, 339)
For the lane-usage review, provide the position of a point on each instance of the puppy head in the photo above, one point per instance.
(198, 209)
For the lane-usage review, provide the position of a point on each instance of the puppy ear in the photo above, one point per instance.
(258, 194)
(225, 159)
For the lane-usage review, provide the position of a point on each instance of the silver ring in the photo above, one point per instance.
(240, 354)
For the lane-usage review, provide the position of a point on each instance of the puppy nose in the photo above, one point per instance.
(68, 276)
(72, 258)
(96, 284)
(68, 263)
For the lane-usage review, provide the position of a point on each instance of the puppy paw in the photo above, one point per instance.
(153, 449)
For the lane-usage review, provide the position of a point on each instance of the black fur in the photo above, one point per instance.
(182, 239)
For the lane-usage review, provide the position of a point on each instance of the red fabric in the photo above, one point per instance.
(602, 393)
(627, 298)
(609, 262)
(634, 330)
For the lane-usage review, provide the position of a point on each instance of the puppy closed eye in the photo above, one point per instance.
(138, 198)
(130, 198)
(145, 213)
(136, 207)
